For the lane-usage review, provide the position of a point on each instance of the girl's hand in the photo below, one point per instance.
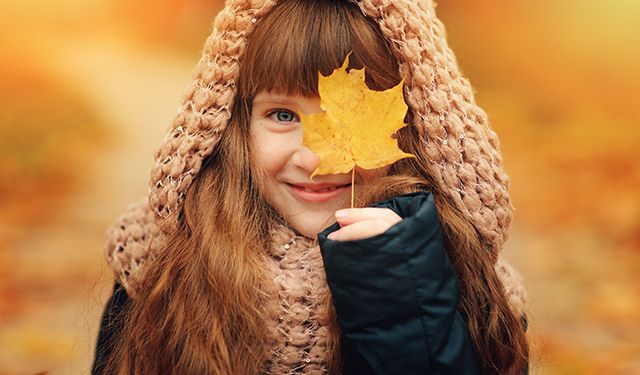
(360, 223)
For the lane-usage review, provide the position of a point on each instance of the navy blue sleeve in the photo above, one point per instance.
(110, 328)
(396, 296)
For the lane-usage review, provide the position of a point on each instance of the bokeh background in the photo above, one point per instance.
(89, 87)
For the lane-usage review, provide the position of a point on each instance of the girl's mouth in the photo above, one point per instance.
(310, 195)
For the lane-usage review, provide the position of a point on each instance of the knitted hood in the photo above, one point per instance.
(453, 130)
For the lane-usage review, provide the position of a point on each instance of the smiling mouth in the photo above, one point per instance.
(323, 195)
(332, 188)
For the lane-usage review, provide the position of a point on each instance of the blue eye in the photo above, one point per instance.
(283, 115)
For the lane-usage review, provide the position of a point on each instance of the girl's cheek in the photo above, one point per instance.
(275, 151)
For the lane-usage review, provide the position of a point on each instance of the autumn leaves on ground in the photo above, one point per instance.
(89, 88)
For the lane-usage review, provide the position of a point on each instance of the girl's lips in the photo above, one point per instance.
(314, 196)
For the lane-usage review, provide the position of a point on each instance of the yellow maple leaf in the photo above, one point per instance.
(356, 124)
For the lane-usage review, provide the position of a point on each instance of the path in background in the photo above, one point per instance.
(60, 266)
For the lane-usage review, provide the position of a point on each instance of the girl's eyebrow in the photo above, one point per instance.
(274, 99)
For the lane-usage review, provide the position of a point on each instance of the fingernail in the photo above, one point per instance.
(331, 236)
(341, 214)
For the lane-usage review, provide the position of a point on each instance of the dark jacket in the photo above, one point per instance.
(110, 327)
(395, 296)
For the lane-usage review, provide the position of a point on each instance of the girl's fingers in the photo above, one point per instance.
(360, 230)
(349, 216)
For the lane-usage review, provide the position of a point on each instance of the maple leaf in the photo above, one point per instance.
(356, 124)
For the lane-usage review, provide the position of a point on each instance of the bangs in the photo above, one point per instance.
(300, 38)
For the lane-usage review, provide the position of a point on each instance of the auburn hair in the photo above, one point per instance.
(202, 307)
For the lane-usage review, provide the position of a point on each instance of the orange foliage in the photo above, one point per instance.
(561, 91)
(45, 135)
(568, 124)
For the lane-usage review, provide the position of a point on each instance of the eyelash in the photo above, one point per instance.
(272, 114)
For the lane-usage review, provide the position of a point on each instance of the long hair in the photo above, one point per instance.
(207, 294)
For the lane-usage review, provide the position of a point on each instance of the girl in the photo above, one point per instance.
(234, 264)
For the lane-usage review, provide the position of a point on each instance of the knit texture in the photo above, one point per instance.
(300, 322)
(302, 325)
(466, 163)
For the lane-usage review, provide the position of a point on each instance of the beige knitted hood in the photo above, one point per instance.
(454, 131)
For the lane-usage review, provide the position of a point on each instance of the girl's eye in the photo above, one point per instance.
(283, 115)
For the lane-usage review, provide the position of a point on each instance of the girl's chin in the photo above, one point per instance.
(311, 228)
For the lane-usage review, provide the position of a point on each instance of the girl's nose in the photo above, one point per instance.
(304, 158)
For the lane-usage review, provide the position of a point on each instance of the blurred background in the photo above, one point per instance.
(89, 87)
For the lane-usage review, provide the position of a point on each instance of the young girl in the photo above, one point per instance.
(240, 263)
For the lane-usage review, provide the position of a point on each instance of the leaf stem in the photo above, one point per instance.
(353, 175)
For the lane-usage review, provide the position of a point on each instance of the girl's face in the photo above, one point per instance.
(276, 136)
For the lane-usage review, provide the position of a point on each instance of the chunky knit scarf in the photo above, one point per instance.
(299, 324)
(463, 150)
